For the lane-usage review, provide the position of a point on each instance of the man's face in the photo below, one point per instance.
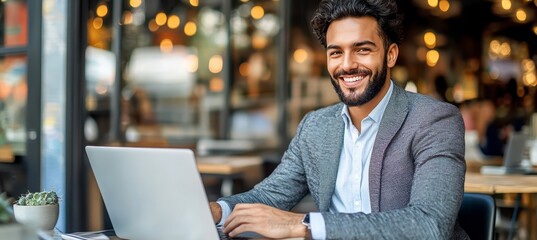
(356, 59)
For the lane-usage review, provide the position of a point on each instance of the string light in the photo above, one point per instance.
(432, 3)
(430, 39)
(161, 18)
(444, 5)
(173, 22)
(102, 10)
(257, 12)
(135, 3)
(190, 29)
(432, 58)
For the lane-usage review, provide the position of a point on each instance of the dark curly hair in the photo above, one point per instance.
(384, 11)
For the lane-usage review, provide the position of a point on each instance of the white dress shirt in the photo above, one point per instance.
(351, 194)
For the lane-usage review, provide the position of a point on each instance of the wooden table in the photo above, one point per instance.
(505, 184)
(499, 184)
(228, 168)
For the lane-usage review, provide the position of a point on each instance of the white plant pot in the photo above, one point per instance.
(38, 217)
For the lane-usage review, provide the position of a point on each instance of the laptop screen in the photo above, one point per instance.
(152, 193)
(515, 149)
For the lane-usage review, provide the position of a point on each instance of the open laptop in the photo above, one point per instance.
(152, 193)
(513, 157)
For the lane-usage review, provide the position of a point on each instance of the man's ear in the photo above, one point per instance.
(393, 53)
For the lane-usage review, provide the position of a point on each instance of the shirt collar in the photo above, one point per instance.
(378, 111)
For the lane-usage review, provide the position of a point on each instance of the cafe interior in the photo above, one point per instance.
(231, 80)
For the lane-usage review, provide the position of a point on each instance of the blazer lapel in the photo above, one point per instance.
(391, 122)
(330, 141)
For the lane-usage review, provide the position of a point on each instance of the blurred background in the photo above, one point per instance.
(231, 77)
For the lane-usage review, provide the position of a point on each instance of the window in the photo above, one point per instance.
(13, 79)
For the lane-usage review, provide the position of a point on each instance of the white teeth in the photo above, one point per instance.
(353, 79)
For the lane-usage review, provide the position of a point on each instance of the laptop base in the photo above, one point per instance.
(502, 170)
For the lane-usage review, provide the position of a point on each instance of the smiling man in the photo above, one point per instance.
(383, 164)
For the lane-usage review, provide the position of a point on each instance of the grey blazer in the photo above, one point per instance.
(416, 173)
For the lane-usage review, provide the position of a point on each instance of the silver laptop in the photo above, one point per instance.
(513, 157)
(152, 193)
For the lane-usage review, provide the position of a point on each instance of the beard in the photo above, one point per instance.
(376, 83)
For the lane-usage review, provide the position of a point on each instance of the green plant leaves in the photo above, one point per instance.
(38, 199)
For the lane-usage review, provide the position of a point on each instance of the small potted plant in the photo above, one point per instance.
(38, 210)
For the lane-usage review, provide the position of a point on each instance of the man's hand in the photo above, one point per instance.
(216, 210)
(267, 221)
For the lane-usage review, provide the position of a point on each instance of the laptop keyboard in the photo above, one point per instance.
(224, 236)
(221, 234)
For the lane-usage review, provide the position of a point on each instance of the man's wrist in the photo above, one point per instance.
(306, 220)
(216, 211)
(301, 230)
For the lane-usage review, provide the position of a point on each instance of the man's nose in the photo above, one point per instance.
(349, 62)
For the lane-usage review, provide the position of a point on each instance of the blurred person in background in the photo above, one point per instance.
(484, 135)
(490, 121)
(440, 87)
(498, 119)
(384, 163)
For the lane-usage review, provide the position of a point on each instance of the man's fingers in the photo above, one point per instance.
(241, 220)
(262, 219)
(234, 223)
(244, 228)
(237, 217)
(243, 210)
(244, 218)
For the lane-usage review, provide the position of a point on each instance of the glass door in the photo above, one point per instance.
(13, 93)
(19, 120)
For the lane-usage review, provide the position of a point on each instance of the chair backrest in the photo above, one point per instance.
(477, 216)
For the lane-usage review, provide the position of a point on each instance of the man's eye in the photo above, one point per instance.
(334, 53)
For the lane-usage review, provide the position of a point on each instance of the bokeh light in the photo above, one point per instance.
(257, 12)
(190, 29)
